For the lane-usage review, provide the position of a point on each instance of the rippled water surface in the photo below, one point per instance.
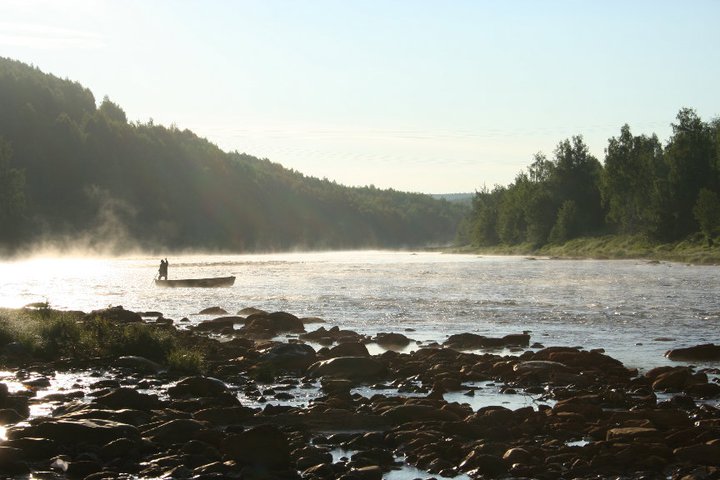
(636, 310)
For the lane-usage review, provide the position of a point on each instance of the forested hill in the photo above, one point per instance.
(72, 170)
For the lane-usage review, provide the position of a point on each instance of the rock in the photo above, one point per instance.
(486, 465)
(699, 454)
(372, 472)
(311, 320)
(73, 432)
(115, 314)
(175, 431)
(673, 380)
(272, 324)
(224, 415)
(218, 324)
(128, 398)
(632, 434)
(333, 335)
(197, 386)
(213, 311)
(349, 349)
(264, 445)
(10, 416)
(470, 341)
(34, 448)
(353, 368)
(392, 340)
(138, 364)
(705, 352)
(418, 413)
(11, 461)
(288, 356)
(247, 311)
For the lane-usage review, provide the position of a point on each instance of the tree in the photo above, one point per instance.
(567, 225)
(12, 196)
(692, 162)
(707, 213)
(631, 182)
(576, 178)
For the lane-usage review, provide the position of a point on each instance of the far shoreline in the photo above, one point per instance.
(694, 251)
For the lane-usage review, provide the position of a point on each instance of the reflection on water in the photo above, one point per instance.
(622, 306)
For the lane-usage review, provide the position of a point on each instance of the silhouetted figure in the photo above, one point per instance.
(162, 271)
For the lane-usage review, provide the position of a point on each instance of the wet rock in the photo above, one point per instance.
(10, 416)
(311, 320)
(138, 364)
(128, 398)
(349, 349)
(197, 386)
(174, 431)
(288, 357)
(224, 415)
(699, 454)
(353, 368)
(484, 464)
(116, 315)
(218, 324)
(418, 413)
(333, 335)
(392, 340)
(213, 311)
(247, 311)
(71, 432)
(11, 461)
(264, 445)
(470, 341)
(632, 434)
(705, 352)
(364, 473)
(260, 325)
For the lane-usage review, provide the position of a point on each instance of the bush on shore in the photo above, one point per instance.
(49, 335)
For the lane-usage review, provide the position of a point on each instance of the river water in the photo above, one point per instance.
(634, 309)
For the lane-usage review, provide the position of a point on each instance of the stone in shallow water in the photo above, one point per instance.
(355, 368)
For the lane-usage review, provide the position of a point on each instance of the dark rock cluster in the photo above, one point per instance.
(590, 416)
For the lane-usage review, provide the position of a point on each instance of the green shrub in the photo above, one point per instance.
(186, 361)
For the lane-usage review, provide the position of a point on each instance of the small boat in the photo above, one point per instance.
(197, 282)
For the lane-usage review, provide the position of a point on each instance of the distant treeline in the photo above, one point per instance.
(75, 171)
(665, 193)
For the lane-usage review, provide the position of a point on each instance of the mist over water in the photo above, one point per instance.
(635, 310)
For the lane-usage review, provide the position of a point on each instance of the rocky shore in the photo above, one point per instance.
(590, 416)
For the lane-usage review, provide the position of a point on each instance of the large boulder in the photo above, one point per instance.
(72, 432)
(264, 445)
(288, 356)
(219, 324)
(260, 325)
(197, 386)
(128, 398)
(468, 341)
(353, 368)
(705, 352)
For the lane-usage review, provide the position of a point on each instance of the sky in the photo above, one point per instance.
(415, 95)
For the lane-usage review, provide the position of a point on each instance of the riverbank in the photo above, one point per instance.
(692, 251)
(273, 396)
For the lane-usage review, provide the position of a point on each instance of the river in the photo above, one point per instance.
(634, 309)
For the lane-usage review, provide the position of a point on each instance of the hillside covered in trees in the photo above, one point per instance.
(664, 193)
(82, 174)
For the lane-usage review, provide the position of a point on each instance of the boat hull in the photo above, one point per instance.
(197, 282)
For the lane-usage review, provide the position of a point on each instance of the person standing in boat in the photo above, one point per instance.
(163, 270)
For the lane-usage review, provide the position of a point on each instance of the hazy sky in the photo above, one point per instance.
(426, 96)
